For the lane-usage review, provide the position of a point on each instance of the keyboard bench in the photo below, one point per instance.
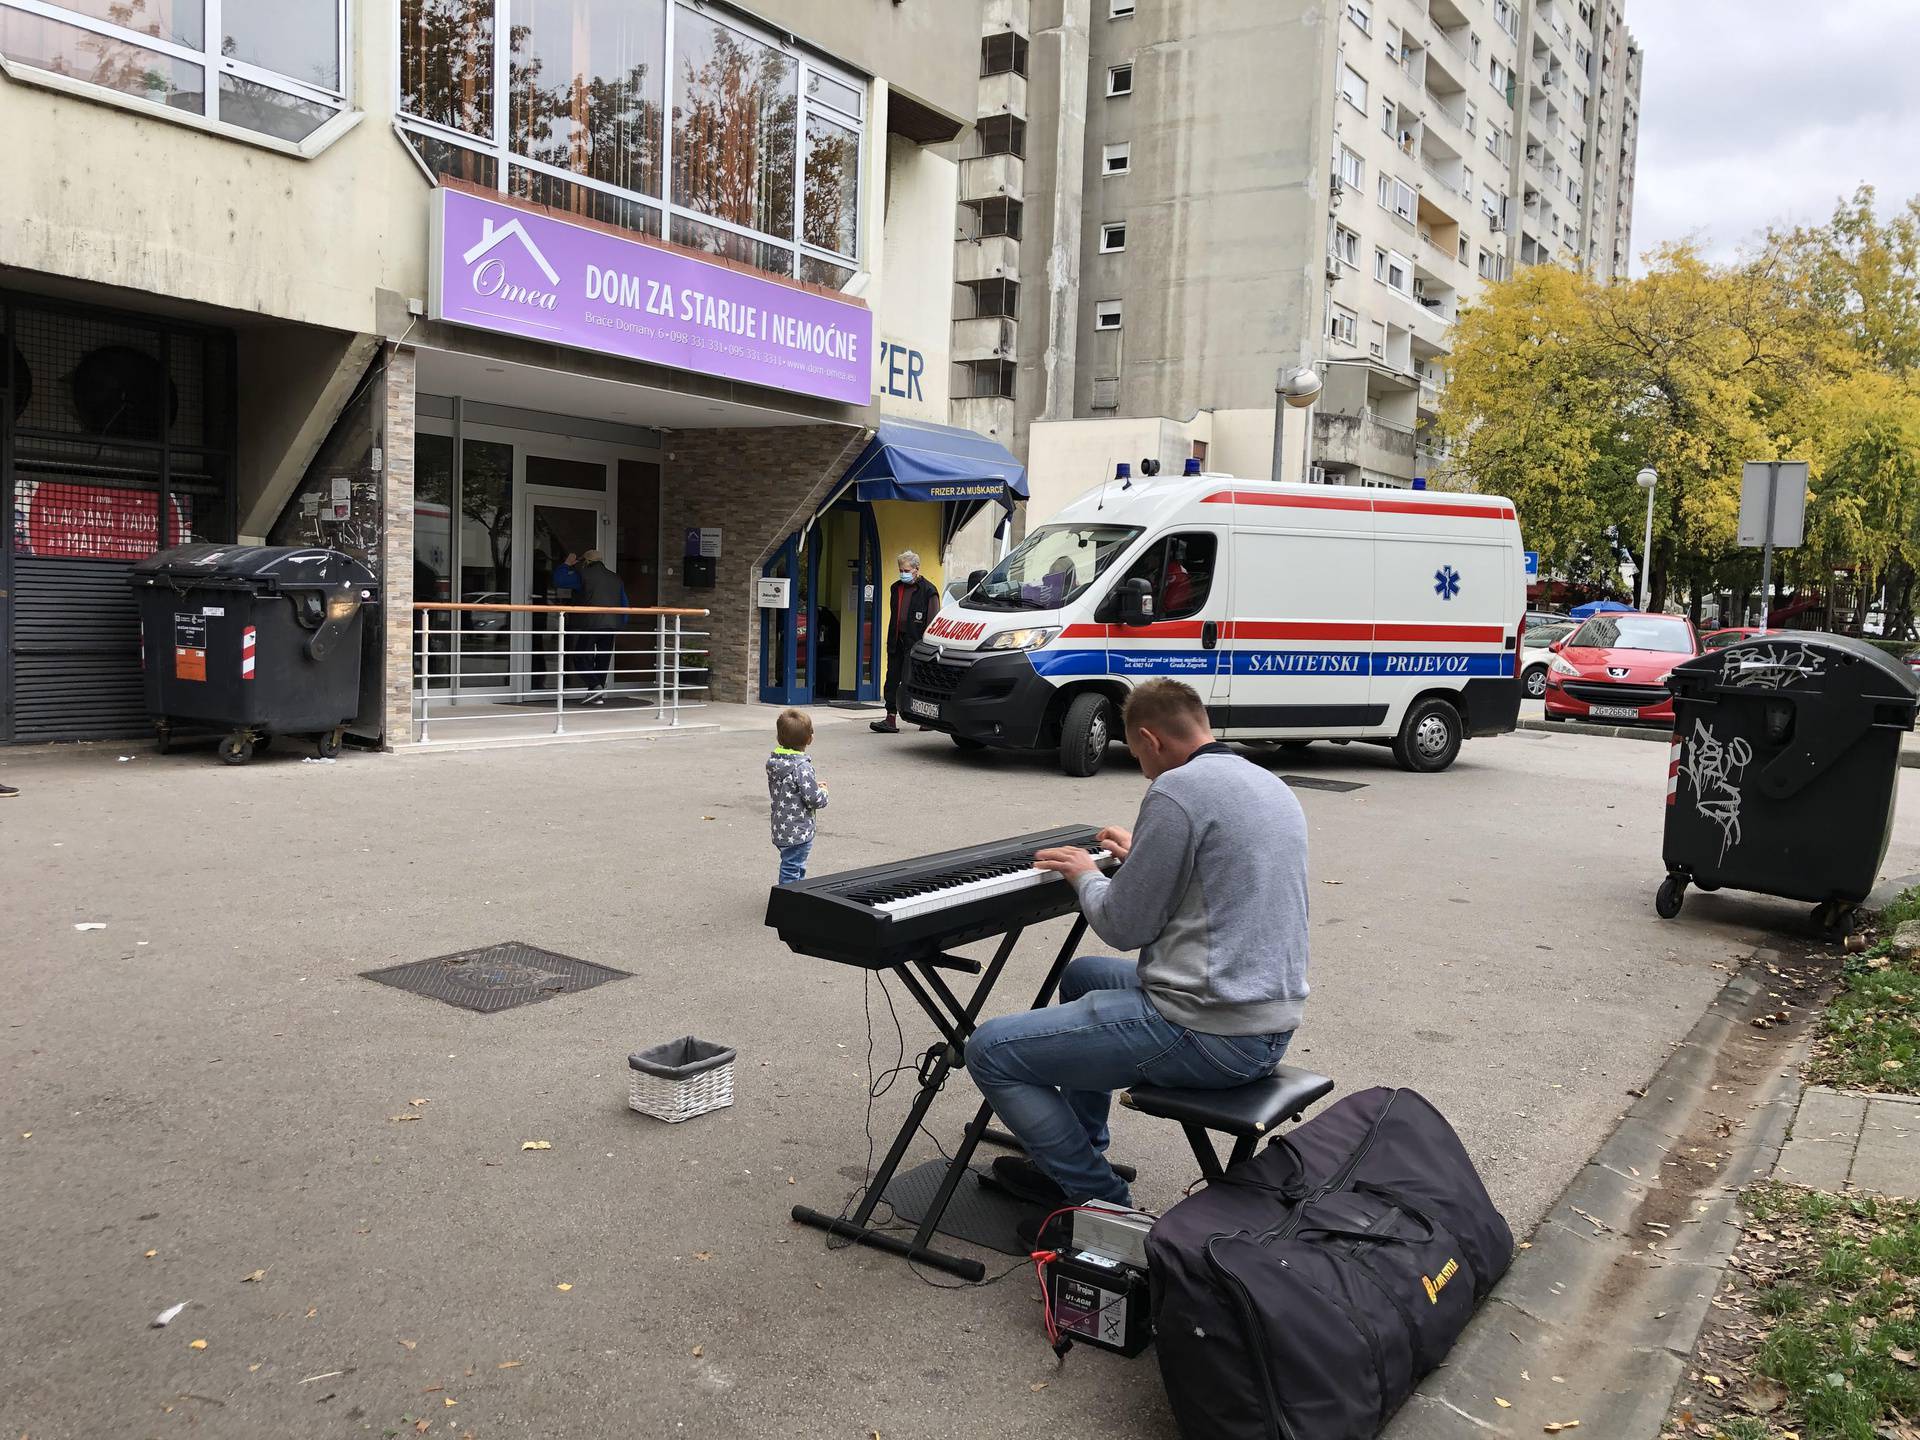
(1247, 1112)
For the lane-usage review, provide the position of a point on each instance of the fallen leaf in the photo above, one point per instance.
(1902, 1357)
(1761, 1397)
(1525, 1376)
(252, 1368)
(1891, 1065)
(152, 1253)
(535, 1145)
(563, 1285)
(196, 1344)
(449, 1402)
(255, 1276)
(422, 1426)
(1037, 1386)
(313, 1312)
(1503, 1404)
(167, 1314)
(1558, 1379)
(409, 1343)
(698, 1351)
(400, 1119)
(703, 1254)
(508, 1365)
(1558, 1425)
(26, 1134)
(419, 1100)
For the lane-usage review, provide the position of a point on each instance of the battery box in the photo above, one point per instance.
(1100, 1300)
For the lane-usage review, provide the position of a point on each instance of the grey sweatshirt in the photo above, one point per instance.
(796, 793)
(1214, 896)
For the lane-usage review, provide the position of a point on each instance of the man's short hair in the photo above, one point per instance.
(592, 557)
(1166, 707)
(794, 729)
(907, 560)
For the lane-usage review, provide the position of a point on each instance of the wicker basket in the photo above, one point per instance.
(680, 1079)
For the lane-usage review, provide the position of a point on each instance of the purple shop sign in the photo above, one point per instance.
(518, 272)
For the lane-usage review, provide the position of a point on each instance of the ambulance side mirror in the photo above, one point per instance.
(974, 577)
(1134, 602)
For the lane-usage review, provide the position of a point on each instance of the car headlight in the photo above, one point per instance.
(1029, 639)
(1562, 666)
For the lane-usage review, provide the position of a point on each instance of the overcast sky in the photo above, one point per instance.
(1757, 112)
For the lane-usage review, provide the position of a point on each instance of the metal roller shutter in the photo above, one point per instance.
(76, 651)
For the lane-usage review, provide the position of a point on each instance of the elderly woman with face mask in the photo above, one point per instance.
(913, 601)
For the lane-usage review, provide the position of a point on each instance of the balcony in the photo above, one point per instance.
(1367, 440)
(1450, 106)
(1003, 95)
(986, 339)
(988, 177)
(993, 257)
(989, 415)
(1441, 205)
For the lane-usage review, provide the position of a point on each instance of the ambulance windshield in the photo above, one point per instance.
(1052, 567)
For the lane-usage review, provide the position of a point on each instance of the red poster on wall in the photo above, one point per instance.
(90, 521)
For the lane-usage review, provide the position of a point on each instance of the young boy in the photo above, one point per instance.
(795, 791)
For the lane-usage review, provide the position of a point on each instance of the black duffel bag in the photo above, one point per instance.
(1306, 1295)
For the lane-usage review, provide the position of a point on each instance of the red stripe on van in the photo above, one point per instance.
(1468, 512)
(1296, 630)
(1084, 632)
(1290, 502)
(1441, 634)
(1455, 509)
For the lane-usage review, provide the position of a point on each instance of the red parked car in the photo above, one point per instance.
(1733, 635)
(1615, 667)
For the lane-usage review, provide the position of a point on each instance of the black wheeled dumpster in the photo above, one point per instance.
(1786, 758)
(254, 640)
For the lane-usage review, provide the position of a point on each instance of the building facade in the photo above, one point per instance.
(460, 286)
(1168, 205)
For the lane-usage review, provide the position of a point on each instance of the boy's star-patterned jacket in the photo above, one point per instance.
(795, 793)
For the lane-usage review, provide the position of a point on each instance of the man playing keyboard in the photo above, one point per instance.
(1213, 895)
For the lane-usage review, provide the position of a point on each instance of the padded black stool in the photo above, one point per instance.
(1246, 1111)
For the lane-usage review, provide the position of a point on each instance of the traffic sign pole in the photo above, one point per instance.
(1766, 549)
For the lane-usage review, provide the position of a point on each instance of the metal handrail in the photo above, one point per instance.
(667, 654)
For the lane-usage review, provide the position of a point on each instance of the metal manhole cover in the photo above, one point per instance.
(497, 977)
(1315, 782)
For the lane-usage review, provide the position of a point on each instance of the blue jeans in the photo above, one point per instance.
(793, 861)
(1050, 1074)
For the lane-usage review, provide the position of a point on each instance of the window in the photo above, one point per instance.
(1003, 54)
(1180, 569)
(1354, 87)
(989, 379)
(1119, 9)
(1360, 12)
(1112, 238)
(1343, 324)
(1507, 18)
(994, 299)
(1120, 79)
(999, 215)
(758, 158)
(1470, 117)
(1398, 196)
(1106, 315)
(1052, 566)
(1199, 451)
(1499, 144)
(1393, 270)
(1353, 170)
(272, 67)
(1346, 246)
(1389, 112)
(1500, 75)
(1116, 159)
(1002, 135)
(1377, 339)
(1473, 47)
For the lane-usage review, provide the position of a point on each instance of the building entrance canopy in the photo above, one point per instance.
(916, 460)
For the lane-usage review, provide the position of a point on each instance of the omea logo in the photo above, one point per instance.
(1434, 1284)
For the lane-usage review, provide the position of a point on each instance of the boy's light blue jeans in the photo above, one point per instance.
(793, 861)
(1050, 1073)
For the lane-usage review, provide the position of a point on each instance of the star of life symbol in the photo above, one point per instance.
(1446, 582)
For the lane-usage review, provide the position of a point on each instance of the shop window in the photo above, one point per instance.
(280, 62)
(758, 161)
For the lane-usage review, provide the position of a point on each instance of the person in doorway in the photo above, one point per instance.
(594, 584)
(1213, 893)
(795, 791)
(913, 601)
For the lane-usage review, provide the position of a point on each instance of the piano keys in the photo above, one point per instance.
(886, 915)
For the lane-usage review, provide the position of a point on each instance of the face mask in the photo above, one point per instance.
(906, 577)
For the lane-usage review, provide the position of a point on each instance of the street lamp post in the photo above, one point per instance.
(1296, 390)
(1646, 480)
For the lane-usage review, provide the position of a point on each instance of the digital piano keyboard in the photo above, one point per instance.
(888, 915)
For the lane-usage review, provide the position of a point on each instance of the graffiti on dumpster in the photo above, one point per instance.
(1771, 667)
(1714, 769)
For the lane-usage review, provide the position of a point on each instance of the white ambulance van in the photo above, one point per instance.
(1299, 612)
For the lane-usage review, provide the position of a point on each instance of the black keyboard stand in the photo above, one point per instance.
(955, 1022)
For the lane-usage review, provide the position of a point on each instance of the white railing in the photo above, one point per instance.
(522, 669)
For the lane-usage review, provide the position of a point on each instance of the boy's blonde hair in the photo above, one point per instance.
(794, 729)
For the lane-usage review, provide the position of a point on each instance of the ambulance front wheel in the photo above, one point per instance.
(1085, 733)
(1429, 737)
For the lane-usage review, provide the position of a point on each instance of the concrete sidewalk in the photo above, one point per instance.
(1849, 1141)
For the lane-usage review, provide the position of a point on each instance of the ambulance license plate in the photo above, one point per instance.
(925, 709)
(1613, 712)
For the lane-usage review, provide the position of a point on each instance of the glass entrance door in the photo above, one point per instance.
(558, 529)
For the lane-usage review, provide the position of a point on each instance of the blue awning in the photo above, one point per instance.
(915, 460)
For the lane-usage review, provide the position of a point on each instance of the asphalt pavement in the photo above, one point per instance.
(207, 1078)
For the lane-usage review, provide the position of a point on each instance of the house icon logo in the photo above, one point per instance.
(492, 276)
